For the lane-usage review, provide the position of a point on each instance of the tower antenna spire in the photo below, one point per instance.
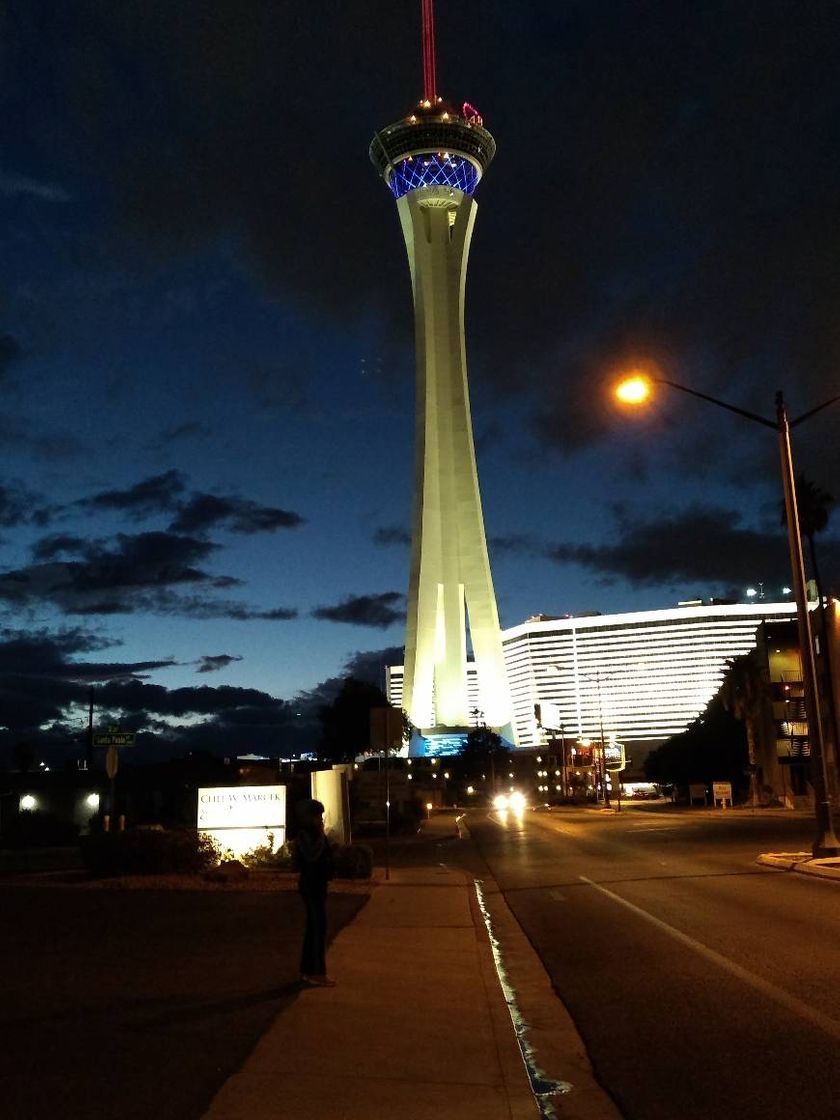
(429, 78)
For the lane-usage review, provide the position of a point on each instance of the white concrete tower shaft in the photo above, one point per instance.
(450, 567)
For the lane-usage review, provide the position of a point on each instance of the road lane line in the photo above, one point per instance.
(778, 995)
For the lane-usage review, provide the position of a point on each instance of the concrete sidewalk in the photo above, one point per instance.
(419, 1025)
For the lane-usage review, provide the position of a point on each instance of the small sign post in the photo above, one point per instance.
(112, 740)
(386, 727)
(722, 792)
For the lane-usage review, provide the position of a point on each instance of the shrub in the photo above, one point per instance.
(148, 851)
(264, 856)
(228, 871)
(352, 861)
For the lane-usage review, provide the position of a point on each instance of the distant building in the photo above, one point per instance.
(766, 691)
(635, 678)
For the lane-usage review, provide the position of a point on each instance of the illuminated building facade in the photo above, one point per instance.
(639, 677)
(432, 161)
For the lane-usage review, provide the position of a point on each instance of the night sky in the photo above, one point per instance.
(206, 333)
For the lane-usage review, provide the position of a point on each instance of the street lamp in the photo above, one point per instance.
(635, 390)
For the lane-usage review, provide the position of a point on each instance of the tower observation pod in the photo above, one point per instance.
(432, 161)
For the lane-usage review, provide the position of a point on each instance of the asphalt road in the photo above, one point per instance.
(139, 1004)
(704, 986)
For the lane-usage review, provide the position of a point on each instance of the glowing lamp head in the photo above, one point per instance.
(634, 389)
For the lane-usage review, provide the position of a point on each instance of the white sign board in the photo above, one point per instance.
(549, 716)
(240, 818)
(722, 792)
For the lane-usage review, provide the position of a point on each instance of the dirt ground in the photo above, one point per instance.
(138, 999)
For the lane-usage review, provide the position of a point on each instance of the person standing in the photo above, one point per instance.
(315, 863)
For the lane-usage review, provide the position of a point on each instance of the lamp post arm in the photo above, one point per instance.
(812, 411)
(723, 404)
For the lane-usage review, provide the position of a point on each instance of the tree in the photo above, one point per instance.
(345, 723)
(814, 508)
(743, 694)
(483, 750)
(712, 748)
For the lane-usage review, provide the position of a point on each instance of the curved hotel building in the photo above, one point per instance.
(638, 677)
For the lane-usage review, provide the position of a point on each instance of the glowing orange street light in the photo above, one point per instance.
(635, 389)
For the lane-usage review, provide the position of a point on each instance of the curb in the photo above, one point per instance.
(802, 864)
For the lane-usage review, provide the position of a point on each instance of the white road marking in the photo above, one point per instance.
(556, 896)
(784, 999)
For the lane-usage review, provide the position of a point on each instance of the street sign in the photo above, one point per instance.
(114, 739)
(722, 792)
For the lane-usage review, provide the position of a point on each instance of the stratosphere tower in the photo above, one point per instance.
(432, 162)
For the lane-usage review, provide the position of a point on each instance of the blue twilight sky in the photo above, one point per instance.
(206, 345)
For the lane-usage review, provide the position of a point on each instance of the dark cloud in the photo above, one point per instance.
(190, 430)
(265, 728)
(153, 571)
(59, 544)
(379, 611)
(139, 696)
(200, 607)
(48, 446)
(42, 678)
(369, 665)
(152, 495)
(163, 493)
(212, 663)
(45, 689)
(700, 547)
(15, 184)
(42, 653)
(391, 534)
(517, 544)
(16, 506)
(41, 681)
(238, 515)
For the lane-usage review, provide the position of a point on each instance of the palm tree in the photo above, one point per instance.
(814, 509)
(743, 695)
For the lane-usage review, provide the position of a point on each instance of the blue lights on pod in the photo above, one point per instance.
(433, 169)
